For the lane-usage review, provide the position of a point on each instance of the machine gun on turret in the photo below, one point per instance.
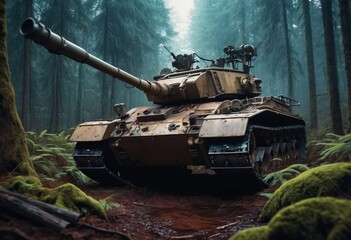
(182, 62)
(243, 54)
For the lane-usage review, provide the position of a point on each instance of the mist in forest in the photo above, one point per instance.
(55, 93)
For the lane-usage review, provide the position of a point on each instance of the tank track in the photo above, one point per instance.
(94, 160)
(235, 160)
(261, 151)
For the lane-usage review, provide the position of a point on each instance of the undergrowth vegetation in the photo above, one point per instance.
(285, 174)
(51, 155)
(332, 148)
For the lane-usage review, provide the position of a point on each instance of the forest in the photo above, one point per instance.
(303, 53)
(203, 170)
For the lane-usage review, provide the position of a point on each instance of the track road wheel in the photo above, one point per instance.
(254, 157)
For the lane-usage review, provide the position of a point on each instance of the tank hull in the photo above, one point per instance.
(213, 139)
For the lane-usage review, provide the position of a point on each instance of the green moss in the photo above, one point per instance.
(65, 196)
(251, 234)
(285, 174)
(72, 198)
(22, 184)
(315, 218)
(327, 180)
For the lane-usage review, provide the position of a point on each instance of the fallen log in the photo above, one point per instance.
(14, 206)
(26, 210)
(69, 216)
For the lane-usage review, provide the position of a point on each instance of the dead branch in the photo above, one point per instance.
(121, 236)
(227, 225)
(183, 237)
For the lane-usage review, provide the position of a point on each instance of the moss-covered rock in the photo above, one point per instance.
(327, 180)
(65, 196)
(315, 218)
(257, 233)
(72, 198)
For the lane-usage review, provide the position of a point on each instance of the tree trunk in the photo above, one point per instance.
(58, 66)
(54, 119)
(104, 87)
(345, 21)
(113, 91)
(310, 65)
(288, 50)
(332, 74)
(243, 22)
(14, 155)
(26, 72)
(79, 96)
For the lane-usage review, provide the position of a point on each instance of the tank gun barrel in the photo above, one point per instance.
(57, 44)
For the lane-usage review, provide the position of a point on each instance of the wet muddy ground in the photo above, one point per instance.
(142, 213)
(146, 214)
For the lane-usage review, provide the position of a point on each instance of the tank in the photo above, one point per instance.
(208, 122)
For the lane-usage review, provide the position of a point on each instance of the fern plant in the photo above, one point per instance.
(332, 148)
(51, 155)
(337, 147)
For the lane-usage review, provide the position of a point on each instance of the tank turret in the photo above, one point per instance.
(205, 84)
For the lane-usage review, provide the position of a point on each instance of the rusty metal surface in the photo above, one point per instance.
(93, 131)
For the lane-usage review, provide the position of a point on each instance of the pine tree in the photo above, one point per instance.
(345, 21)
(332, 74)
(310, 65)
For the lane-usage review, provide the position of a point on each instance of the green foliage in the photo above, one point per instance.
(326, 180)
(266, 195)
(314, 218)
(337, 147)
(65, 196)
(51, 155)
(285, 174)
(106, 205)
(332, 148)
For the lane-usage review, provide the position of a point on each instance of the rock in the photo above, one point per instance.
(327, 180)
(314, 218)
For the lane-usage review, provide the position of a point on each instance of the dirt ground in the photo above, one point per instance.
(143, 213)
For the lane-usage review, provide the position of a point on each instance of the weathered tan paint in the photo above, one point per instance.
(223, 126)
(93, 131)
